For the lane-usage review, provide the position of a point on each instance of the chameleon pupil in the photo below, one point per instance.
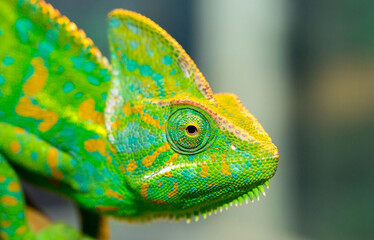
(192, 130)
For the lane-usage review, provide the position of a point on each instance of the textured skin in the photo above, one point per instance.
(139, 139)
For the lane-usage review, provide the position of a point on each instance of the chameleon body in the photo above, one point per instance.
(141, 138)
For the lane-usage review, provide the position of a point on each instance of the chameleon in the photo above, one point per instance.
(141, 137)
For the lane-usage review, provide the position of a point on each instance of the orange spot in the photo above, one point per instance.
(15, 147)
(108, 158)
(2, 179)
(116, 124)
(148, 160)
(36, 82)
(25, 108)
(158, 201)
(204, 170)
(19, 130)
(9, 200)
(113, 194)
(223, 156)
(174, 192)
(147, 118)
(5, 224)
(143, 190)
(111, 148)
(122, 168)
(214, 158)
(131, 166)
(106, 208)
(168, 174)
(172, 158)
(127, 109)
(95, 145)
(87, 112)
(14, 187)
(53, 163)
(225, 169)
(21, 230)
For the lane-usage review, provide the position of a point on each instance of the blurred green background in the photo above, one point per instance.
(305, 69)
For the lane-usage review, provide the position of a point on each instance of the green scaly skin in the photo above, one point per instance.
(142, 138)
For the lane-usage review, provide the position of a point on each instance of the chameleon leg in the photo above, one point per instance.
(94, 225)
(17, 149)
(12, 205)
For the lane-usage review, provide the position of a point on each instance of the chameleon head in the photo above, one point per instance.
(182, 149)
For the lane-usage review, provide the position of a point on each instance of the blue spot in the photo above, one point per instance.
(34, 156)
(89, 66)
(23, 27)
(257, 173)
(186, 174)
(61, 69)
(67, 46)
(178, 84)
(8, 61)
(114, 22)
(2, 80)
(2, 114)
(173, 71)
(107, 76)
(99, 191)
(131, 65)
(145, 70)
(1, 32)
(149, 52)
(103, 96)
(93, 80)
(21, 215)
(136, 138)
(68, 87)
(133, 28)
(78, 95)
(167, 60)
(77, 62)
(134, 44)
(45, 48)
(157, 77)
(51, 35)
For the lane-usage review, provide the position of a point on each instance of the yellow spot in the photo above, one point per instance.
(225, 169)
(168, 174)
(25, 108)
(21, 230)
(19, 130)
(2, 179)
(15, 147)
(174, 192)
(14, 187)
(131, 166)
(148, 160)
(95, 145)
(37, 81)
(87, 112)
(9, 200)
(113, 194)
(106, 208)
(5, 224)
(3, 235)
(214, 158)
(53, 163)
(172, 158)
(143, 190)
(204, 170)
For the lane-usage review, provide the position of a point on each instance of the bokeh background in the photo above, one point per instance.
(305, 69)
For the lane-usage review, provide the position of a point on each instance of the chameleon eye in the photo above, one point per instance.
(189, 130)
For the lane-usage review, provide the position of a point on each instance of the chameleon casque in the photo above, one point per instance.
(141, 138)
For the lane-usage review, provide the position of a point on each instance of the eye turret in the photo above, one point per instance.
(190, 130)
